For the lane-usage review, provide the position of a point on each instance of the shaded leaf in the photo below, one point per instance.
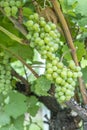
(32, 105)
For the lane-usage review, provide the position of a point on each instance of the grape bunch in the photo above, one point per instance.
(5, 74)
(10, 6)
(46, 39)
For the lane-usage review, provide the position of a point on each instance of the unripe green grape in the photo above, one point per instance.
(51, 49)
(2, 3)
(68, 92)
(63, 82)
(36, 35)
(49, 70)
(47, 28)
(72, 65)
(79, 74)
(59, 80)
(62, 98)
(12, 3)
(29, 23)
(73, 83)
(46, 40)
(42, 23)
(49, 65)
(28, 36)
(68, 98)
(5, 4)
(63, 89)
(75, 75)
(42, 35)
(41, 43)
(69, 74)
(49, 76)
(63, 74)
(60, 65)
(42, 19)
(7, 11)
(54, 68)
(37, 40)
(58, 89)
(36, 27)
(44, 52)
(52, 34)
(53, 26)
(55, 75)
(56, 47)
(18, 3)
(54, 62)
(60, 93)
(32, 44)
(14, 10)
(69, 80)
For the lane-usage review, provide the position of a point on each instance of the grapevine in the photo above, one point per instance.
(5, 74)
(46, 39)
(11, 7)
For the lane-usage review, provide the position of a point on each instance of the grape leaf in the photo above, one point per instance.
(26, 11)
(32, 105)
(80, 50)
(26, 52)
(84, 71)
(66, 52)
(17, 105)
(4, 118)
(41, 86)
(9, 127)
(18, 123)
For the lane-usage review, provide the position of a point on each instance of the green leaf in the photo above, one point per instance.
(27, 11)
(41, 86)
(4, 118)
(66, 52)
(32, 105)
(10, 127)
(17, 105)
(84, 71)
(18, 123)
(80, 50)
(24, 51)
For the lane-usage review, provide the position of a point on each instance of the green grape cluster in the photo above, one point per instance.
(46, 39)
(5, 74)
(10, 6)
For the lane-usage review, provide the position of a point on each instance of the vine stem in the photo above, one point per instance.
(20, 59)
(69, 40)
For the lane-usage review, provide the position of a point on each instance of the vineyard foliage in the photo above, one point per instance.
(29, 30)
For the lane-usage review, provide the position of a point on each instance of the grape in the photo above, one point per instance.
(58, 80)
(45, 37)
(7, 11)
(5, 4)
(2, 3)
(11, 7)
(14, 10)
(18, 3)
(5, 75)
(12, 3)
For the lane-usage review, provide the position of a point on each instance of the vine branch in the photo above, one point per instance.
(22, 79)
(69, 40)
